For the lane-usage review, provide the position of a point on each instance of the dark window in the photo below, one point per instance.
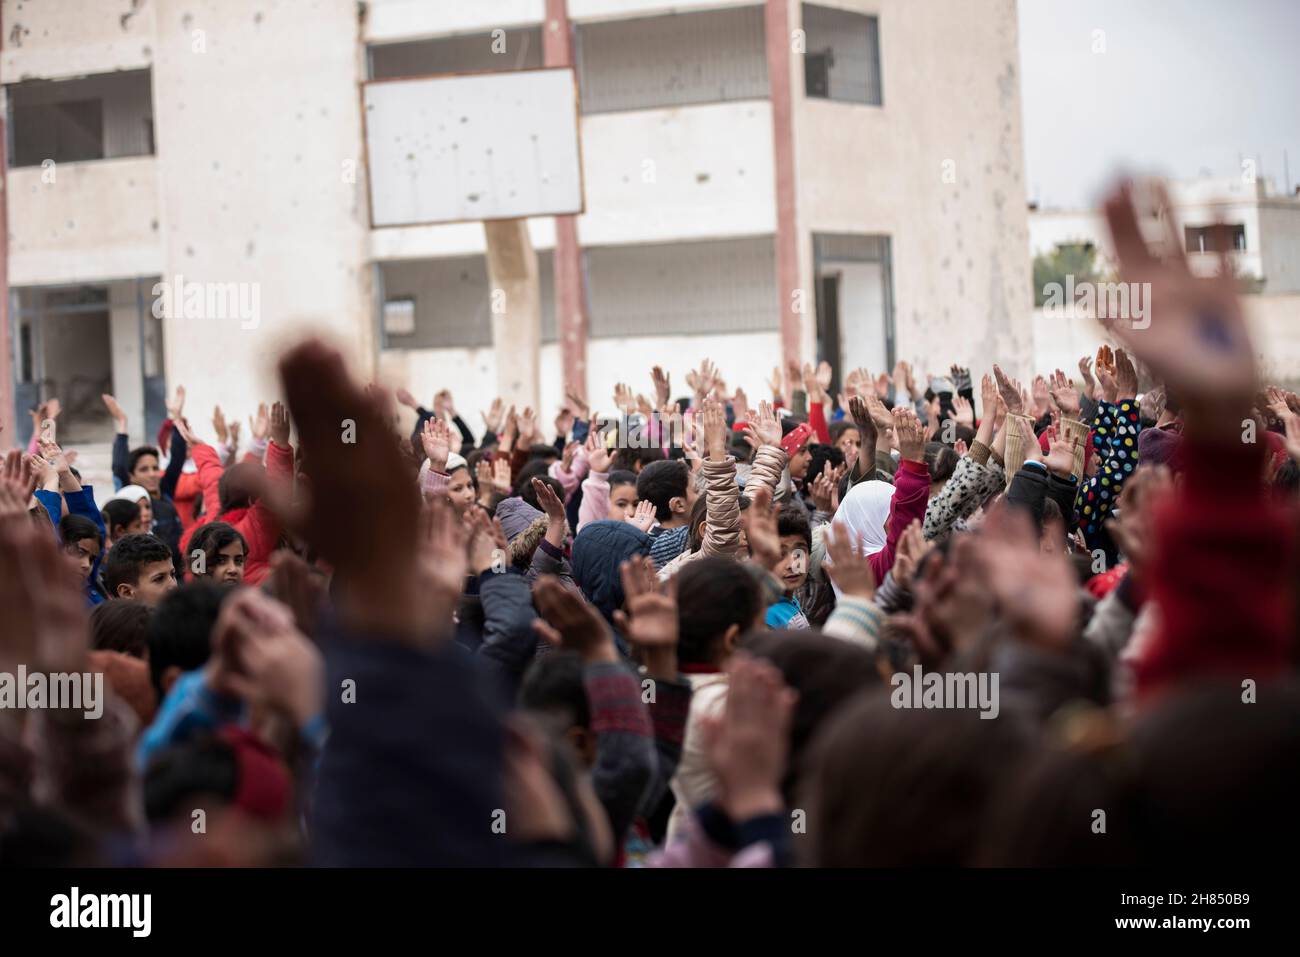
(494, 52)
(1200, 239)
(841, 55)
(68, 121)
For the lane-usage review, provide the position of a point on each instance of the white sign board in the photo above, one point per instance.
(467, 148)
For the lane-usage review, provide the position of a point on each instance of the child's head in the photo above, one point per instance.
(180, 632)
(846, 437)
(555, 691)
(460, 484)
(796, 544)
(142, 468)
(239, 485)
(138, 496)
(121, 626)
(635, 460)
(822, 457)
(139, 566)
(622, 495)
(668, 487)
(82, 540)
(796, 444)
(718, 600)
(121, 517)
(218, 552)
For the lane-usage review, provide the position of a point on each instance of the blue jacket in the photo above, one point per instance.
(79, 503)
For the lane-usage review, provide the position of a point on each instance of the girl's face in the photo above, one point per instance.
(461, 490)
(622, 502)
(84, 554)
(146, 514)
(849, 442)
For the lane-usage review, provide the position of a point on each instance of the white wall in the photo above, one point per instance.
(96, 220)
(407, 19)
(255, 137)
(688, 173)
(66, 38)
(617, 9)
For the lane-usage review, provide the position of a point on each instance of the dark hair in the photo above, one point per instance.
(965, 434)
(76, 528)
(554, 685)
(128, 556)
(119, 513)
(121, 626)
(181, 628)
(543, 452)
(914, 791)
(235, 488)
(197, 768)
(136, 455)
(636, 460)
(660, 482)
(842, 426)
(820, 457)
(529, 494)
(211, 539)
(942, 461)
(1286, 482)
(792, 519)
(713, 593)
(621, 477)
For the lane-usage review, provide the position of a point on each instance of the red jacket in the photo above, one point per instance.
(260, 528)
(1223, 574)
(911, 494)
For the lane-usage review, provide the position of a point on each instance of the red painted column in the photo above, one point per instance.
(8, 398)
(570, 299)
(779, 43)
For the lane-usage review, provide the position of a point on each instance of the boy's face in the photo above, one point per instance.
(84, 554)
(792, 570)
(799, 462)
(849, 442)
(622, 502)
(227, 565)
(461, 490)
(155, 581)
(146, 473)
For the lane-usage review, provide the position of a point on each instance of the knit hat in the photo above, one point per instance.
(454, 462)
(1161, 447)
(515, 516)
(796, 439)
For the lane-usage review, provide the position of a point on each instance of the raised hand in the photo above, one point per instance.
(1153, 403)
(624, 400)
(17, 483)
(405, 398)
(775, 384)
(1089, 383)
(663, 390)
(1036, 591)
(1126, 380)
(569, 622)
(1195, 338)
(259, 428)
(714, 420)
(763, 428)
(568, 455)
(964, 411)
(443, 404)
(494, 415)
(564, 421)
(740, 405)
(176, 405)
(1107, 377)
(436, 439)
(219, 426)
(825, 489)
(649, 616)
(360, 493)
(748, 744)
(597, 454)
(279, 424)
(527, 425)
(644, 516)
(115, 410)
(1065, 395)
(759, 523)
(1009, 390)
(912, 547)
(1042, 396)
(845, 564)
(910, 435)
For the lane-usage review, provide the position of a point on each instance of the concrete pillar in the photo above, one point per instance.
(796, 299)
(516, 304)
(571, 318)
(127, 361)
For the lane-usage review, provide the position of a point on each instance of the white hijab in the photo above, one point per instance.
(865, 510)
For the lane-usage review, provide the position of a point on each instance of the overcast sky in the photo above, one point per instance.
(1183, 88)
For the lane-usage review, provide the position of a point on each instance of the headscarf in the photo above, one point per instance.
(865, 510)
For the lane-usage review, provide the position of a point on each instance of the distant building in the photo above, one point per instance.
(837, 180)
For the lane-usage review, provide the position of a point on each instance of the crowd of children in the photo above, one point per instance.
(354, 645)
